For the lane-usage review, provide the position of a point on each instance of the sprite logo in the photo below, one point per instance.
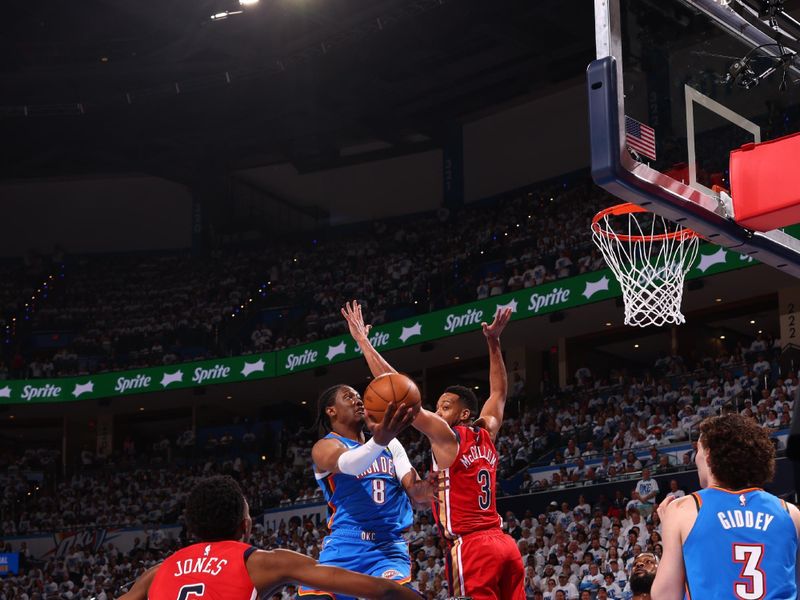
(215, 372)
(132, 383)
(472, 317)
(31, 392)
(540, 301)
(306, 358)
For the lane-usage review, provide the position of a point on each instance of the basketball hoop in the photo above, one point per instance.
(650, 257)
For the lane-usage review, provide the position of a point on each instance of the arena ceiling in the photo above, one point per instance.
(114, 85)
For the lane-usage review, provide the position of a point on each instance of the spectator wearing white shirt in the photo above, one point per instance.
(689, 419)
(430, 548)
(592, 580)
(550, 592)
(571, 452)
(674, 490)
(647, 488)
(612, 588)
(758, 344)
(562, 266)
(597, 551)
(569, 588)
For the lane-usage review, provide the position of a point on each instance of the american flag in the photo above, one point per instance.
(640, 138)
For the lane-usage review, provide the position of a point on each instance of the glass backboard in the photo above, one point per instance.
(678, 84)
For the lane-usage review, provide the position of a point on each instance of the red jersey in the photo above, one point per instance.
(205, 571)
(469, 503)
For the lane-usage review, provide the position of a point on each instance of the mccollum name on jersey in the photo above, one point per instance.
(478, 452)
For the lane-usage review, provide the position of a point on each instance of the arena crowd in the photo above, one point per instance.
(112, 312)
(623, 425)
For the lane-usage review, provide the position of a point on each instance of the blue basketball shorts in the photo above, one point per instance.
(387, 558)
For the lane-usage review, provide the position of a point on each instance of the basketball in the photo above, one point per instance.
(390, 387)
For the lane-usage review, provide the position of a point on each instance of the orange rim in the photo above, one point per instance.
(627, 208)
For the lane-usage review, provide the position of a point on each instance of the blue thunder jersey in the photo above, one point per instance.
(742, 545)
(374, 502)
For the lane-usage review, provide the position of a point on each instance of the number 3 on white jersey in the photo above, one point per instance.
(753, 587)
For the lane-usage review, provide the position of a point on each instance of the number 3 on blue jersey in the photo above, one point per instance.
(753, 587)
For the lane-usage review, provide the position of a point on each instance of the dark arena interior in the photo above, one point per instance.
(219, 214)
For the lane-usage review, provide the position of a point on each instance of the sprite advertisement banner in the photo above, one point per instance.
(126, 383)
(530, 302)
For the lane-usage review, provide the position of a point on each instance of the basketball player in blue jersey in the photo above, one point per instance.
(369, 486)
(731, 539)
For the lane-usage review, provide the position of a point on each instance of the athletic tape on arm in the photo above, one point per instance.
(356, 461)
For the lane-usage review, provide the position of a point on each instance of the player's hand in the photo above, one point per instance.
(662, 508)
(427, 490)
(355, 321)
(501, 319)
(439, 482)
(395, 419)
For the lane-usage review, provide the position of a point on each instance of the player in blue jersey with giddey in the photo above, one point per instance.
(731, 539)
(369, 486)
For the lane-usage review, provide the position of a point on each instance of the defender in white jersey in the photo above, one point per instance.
(731, 539)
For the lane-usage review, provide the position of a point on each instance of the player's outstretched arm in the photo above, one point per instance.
(444, 443)
(360, 332)
(334, 457)
(443, 440)
(491, 417)
(670, 578)
(269, 569)
(139, 589)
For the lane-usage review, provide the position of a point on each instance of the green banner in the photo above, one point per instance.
(531, 302)
(138, 381)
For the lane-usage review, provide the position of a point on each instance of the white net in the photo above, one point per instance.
(650, 257)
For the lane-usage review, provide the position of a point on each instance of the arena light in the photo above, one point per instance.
(608, 324)
(752, 322)
(456, 358)
(225, 14)
(722, 337)
(636, 345)
(717, 299)
(248, 2)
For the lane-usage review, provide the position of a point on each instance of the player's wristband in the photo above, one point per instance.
(358, 460)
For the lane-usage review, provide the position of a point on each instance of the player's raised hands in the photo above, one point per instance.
(501, 319)
(395, 419)
(355, 321)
